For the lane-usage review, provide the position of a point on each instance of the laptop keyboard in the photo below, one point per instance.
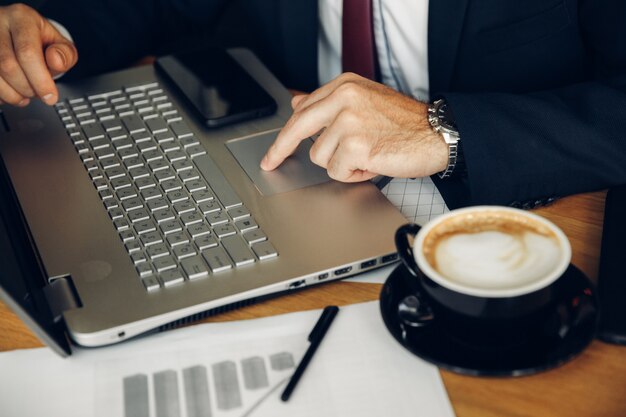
(176, 214)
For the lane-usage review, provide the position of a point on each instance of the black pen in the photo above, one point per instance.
(316, 336)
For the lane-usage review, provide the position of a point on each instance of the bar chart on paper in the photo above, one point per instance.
(417, 198)
(196, 384)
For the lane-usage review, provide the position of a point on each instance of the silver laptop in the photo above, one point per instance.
(143, 218)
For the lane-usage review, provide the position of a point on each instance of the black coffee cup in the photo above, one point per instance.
(463, 304)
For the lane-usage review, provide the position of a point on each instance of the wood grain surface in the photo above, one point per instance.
(591, 385)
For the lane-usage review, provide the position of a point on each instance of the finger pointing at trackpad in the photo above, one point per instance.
(296, 172)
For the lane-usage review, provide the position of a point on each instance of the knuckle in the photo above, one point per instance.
(315, 156)
(26, 52)
(8, 66)
(18, 9)
(349, 90)
(348, 117)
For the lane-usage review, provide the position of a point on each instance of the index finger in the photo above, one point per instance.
(28, 46)
(300, 126)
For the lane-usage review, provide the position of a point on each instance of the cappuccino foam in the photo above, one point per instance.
(492, 250)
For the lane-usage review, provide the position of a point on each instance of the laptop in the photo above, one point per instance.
(127, 214)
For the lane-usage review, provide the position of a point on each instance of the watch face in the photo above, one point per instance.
(446, 117)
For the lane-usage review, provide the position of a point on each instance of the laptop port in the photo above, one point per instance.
(297, 284)
(343, 270)
(368, 264)
(390, 258)
(322, 276)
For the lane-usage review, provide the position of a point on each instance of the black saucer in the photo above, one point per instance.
(566, 330)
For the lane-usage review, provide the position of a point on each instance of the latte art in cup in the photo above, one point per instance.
(493, 250)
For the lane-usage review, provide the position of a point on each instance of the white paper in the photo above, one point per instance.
(417, 198)
(359, 369)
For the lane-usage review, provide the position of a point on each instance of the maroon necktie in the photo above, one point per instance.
(358, 51)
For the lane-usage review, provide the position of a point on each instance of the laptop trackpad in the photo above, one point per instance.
(296, 172)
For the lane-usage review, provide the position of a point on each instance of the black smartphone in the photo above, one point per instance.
(612, 275)
(216, 86)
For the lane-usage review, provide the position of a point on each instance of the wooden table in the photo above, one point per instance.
(592, 385)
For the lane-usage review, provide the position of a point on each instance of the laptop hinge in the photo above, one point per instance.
(62, 296)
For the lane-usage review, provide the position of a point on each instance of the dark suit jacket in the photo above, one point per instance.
(538, 87)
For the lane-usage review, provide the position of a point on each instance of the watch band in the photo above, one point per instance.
(442, 121)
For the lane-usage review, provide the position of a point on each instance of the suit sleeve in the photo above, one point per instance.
(527, 149)
(111, 34)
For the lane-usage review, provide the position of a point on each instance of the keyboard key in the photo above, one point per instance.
(133, 123)
(189, 141)
(150, 283)
(180, 129)
(138, 215)
(165, 175)
(171, 277)
(132, 246)
(157, 204)
(184, 207)
(246, 225)
(120, 224)
(191, 175)
(171, 185)
(194, 267)
(152, 238)
(175, 239)
(224, 230)
(183, 251)
(163, 137)
(132, 204)
(217, 259)
(144, 227)
(137, 258)
(170, 226)
(176, 156)
(216, 218)
(164, 263)
(144, 183)
(151, 193)
(145, 270)
(183, 165)
(202, 195)
(157, 126)
(193, 217)
(255, 236)
(125, 192)
(198, 229)
(264, 250)
(158, 250)
(176, 196)
(93, 131)
(238, 250)
(195, 151)
(127, 235)
(238, 213)
(195, 186)
(135, 170)
(163, 216)
(208, 207)
(205, 242)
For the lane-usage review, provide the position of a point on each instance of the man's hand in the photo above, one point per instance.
(366, 129)
(32, 51)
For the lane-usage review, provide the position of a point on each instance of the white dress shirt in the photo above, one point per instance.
(401, 36)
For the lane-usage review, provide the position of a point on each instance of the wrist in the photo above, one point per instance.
(442, 122)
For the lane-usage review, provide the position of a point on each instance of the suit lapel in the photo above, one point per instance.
(445, 24)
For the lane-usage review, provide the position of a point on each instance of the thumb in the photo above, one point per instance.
(61, 57)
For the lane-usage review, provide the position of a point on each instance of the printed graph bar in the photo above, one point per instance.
(166, 394)
(281, 361)
(197, 391)
(136, 401)
(254, 373)
(227, 392)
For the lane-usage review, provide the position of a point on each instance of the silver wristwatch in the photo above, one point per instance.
(441, 121)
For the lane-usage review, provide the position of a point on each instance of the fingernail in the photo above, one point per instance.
(48, 98)
(24, 102)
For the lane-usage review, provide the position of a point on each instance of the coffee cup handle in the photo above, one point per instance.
(404, 248)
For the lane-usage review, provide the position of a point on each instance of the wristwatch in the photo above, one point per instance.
(442, 121)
